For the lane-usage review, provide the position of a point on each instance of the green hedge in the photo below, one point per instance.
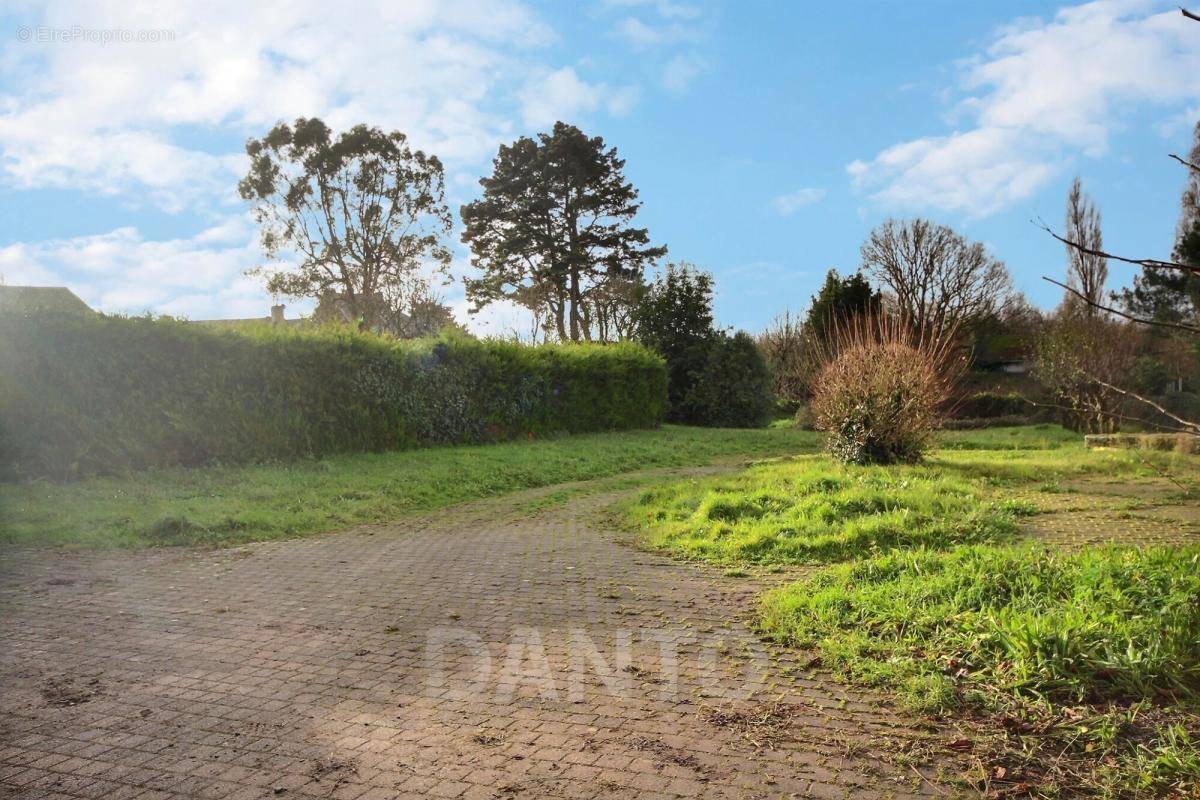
(83, 395)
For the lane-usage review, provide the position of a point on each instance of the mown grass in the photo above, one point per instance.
(1083, 665)
(229, 505)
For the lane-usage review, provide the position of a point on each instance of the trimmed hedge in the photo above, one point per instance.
(93, 394)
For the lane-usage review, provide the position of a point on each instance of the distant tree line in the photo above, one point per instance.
(361, 217)
(359, 221)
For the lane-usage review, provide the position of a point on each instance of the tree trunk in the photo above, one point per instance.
(574, 304)
(559, 324)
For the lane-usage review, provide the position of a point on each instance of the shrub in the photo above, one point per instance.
(733, 389)
(881, 390)
(975, 423)
(714, 379)
(95, 394)
(674, 318)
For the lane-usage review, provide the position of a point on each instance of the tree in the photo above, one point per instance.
(1086, 270)
(1171, 295)
(674, 318)
(553, 233)
(840, 299)
(733, 388)
(362, 211)
(788, 344)
(1081, 360)
(424, 315)
(1180, 269)
(784, 345)
(939, 280)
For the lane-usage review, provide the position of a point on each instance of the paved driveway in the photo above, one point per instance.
(481, 652)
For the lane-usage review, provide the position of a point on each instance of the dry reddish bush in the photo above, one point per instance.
(883, 388)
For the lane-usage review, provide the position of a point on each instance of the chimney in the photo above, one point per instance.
(277, 314)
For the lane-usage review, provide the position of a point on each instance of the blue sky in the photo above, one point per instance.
(766, 138)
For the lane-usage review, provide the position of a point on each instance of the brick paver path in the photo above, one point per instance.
(474, 653)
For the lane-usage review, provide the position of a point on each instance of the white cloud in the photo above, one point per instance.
(638, 33)
(121, 271)
(788, 204)
(164, 122)
(668, 9)
(1041, 94)
(681, 70)
(561, 94)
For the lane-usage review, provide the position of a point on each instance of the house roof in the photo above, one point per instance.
(41, 298)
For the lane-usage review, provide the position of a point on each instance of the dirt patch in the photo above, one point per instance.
(665, 753)
(65, 690)
(765, 727)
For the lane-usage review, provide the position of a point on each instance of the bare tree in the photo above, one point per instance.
(1087, 270)
(785, 346)
(939, 279)
(1081, 359)
(1182, 265)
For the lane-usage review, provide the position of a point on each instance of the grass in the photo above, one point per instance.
(1096, 651)
(1081, 668)
(808, 509)
(230, 505)
(982, 625)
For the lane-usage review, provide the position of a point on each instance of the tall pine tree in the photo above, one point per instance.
(553, 233)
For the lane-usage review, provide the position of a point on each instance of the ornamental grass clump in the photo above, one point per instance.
(883, 388)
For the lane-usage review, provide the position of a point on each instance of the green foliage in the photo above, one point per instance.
(363, 211)
(810, 510)
(225, 505)
(87, 395)
(674, 318)
(713, 379)
(981, 625)
(839, 300)
(985, 405)
(733, 390)
(553, 233)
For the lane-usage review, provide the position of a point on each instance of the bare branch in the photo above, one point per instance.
(1147, 263)
(1190, 427)
(1113, 414)
(1188, 164)
(1189, 14)
(1131, 318)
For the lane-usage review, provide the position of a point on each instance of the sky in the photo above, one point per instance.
(766, 138)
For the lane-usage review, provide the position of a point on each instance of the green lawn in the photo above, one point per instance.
(227, 505)
(1083, 664)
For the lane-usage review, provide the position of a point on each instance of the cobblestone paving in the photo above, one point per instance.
(476, 653)
(1097, 512)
